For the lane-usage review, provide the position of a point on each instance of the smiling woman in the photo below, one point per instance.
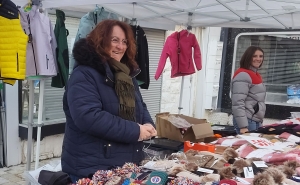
(248, 92)
(105, 112)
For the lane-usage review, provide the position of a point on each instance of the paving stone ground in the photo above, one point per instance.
(14, 175)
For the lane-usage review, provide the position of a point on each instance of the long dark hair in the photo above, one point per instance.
(100, 39)
(247, 57)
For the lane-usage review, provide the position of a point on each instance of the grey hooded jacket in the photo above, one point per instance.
(248, 96)
(88, 23)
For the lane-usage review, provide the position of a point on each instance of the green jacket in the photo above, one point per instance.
(62, 53)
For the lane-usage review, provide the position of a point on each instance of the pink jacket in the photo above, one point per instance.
(184, 65)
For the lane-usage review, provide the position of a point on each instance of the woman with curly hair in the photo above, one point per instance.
(106, 118)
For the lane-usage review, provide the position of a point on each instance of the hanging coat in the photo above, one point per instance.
(142, 56)
(88, 23)
(62, 53)
(41, 49)
(13, 43)
(178, 47)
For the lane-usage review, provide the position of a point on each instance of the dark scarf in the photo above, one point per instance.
(125, 90)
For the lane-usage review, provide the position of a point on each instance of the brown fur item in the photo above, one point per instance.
(289, 172)
(277, 175)
(226, 173)
(176, 170)
(250, 160)
(263, 179)
(239, 165)
(219, 164)
(191, 152)
(179, 156)
(210, 178)
(230, 153)
(191, 167)
(292, 164)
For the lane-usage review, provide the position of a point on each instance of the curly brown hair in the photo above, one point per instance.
(100, 39)
(246, 59)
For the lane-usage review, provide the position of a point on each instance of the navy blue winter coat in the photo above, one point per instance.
(96, 138)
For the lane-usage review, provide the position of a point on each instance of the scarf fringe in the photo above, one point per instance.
(125, 90)
(127, 113)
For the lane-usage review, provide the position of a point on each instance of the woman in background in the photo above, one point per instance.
(248, 92)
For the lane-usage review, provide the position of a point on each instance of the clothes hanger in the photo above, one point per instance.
(27, 7)
(96, 10)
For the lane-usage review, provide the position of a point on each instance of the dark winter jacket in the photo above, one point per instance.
(248, 96)
(62, 53)
(142, 56)
(96, 138)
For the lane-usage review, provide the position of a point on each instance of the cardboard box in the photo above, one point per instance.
(200, 129)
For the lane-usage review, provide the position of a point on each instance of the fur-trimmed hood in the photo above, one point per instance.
(86, 55)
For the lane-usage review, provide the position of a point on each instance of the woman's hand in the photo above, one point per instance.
(153, 130)
(243, 130)
(145, 132)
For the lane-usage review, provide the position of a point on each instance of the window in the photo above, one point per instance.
(281, 67)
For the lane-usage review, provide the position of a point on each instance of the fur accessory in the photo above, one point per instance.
(210, 178)
(277, 175)
(289, 172)
(292, 164)
(175, 170)
(263, 179)
(219, 164)
(189, 175)
(226, 173)
(177, 156)
(191, 167)
(230, 153)
(239, 166)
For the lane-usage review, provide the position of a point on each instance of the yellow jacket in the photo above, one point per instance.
(13, 43)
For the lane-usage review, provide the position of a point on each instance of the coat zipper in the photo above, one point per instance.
(18, 62)
(178, 51)
(30, 41)
(47, 61)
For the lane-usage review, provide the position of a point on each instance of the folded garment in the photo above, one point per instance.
(280, 157)
(289, 137)
(278, 129)
(244, 150)
(231, 142)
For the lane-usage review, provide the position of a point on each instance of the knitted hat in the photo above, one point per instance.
(227, 182)
(157, 177)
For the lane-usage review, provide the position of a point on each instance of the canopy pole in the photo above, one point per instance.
(181, 95)
(30, 123)
(39, 124)
(247, 6)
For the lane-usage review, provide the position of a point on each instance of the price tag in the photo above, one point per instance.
(248, 171)
(260, 164)
(205, 170)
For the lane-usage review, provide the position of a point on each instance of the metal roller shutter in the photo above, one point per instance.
(53, 110)
(152, 96)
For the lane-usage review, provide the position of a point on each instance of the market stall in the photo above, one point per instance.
(250, 14)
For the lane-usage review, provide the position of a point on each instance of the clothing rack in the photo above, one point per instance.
(31, 123)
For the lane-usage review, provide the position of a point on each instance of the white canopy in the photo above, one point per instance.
(204, 13)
